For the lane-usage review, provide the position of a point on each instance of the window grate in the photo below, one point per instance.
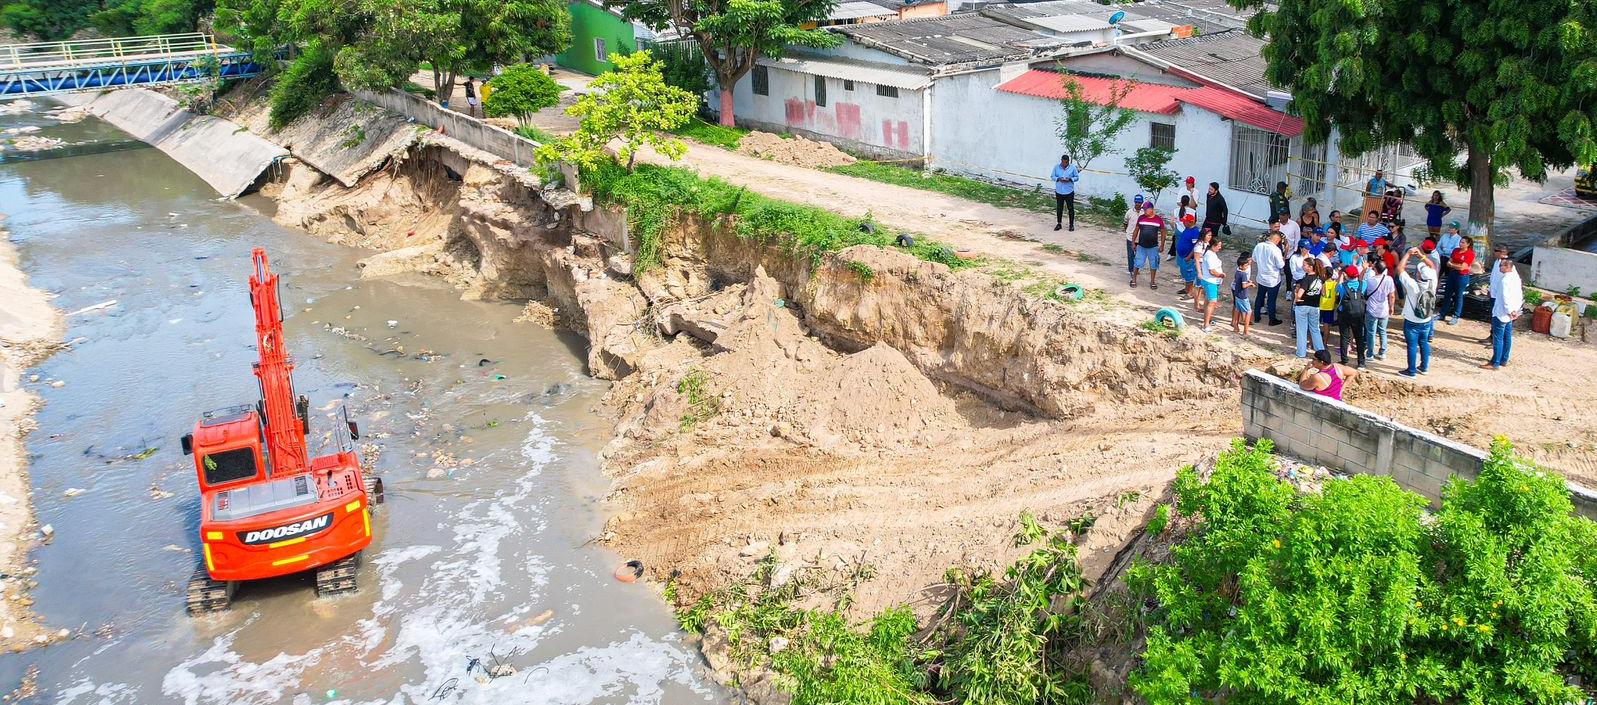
(599, 50)
(820, 91)
(886, 91)
(1258, 159)
(1162, 136)
(762, 81)
(848, 85)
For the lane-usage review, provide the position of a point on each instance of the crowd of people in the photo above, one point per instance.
(1343, 279)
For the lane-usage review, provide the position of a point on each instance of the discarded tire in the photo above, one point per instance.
(1169, 318)
(1070, 292)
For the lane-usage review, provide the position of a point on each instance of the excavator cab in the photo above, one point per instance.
(227, 448)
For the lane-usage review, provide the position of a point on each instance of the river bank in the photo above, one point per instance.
(30, 329)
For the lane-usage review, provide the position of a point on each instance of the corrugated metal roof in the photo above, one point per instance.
(1071, 23)
(1158, 98)
(952, 39)
(855, 9)
(1233, 58)
(905, 77)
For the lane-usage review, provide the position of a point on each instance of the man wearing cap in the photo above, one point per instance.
(1267, 266)
(1508, 298)
(1184, 256)
(1295, 266)
(1065, 177)
(1350, 311)
(1419, 311)
(1150, 242)
(1132, 215)
(1215, 212)
(1449, 240)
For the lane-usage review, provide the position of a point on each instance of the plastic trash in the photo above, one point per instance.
(1070, 292)
(499, 378)
(629, 572)
(1169, 318)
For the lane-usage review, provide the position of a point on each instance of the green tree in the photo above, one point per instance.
(734, 34)
(122, 18)
(632, 104)
(1089, 129)
(1150, 166)
(1353, 595)
(49, 20)
(685, 68)
(1505, 83)
(521, 91)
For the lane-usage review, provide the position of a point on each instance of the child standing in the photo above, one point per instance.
(1241, 282)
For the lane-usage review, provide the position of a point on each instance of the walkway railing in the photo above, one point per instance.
(86, 52)
(519, 150)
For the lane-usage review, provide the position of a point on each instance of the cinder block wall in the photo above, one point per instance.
(1327, 432)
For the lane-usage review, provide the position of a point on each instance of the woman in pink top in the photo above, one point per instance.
(1324, 377)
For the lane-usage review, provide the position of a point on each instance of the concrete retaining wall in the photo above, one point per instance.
(221, 153)
(474, 132)
(1557, 269)
(1330, 433)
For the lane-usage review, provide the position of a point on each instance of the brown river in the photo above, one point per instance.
(483, 585)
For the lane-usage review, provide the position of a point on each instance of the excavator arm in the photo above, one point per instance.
(285, 425)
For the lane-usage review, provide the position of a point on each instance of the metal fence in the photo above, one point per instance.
(86, 51)
(465, 128)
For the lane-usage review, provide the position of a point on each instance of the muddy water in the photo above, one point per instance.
(487, 442)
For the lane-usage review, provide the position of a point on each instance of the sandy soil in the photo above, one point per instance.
(29, 331)
(795, 150)
(1534, 402)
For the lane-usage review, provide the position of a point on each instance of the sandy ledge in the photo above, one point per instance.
(30, 329)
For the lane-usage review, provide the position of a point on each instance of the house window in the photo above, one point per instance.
(1162, 136)
(599, 51)
(762, 80)
(886, 91)
(848, 85)
(1258, 158)
(1310, 169)
(820, 91)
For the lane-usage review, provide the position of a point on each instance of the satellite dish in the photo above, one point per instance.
(1117, 17)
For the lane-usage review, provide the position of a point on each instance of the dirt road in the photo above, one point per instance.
(1535, 401)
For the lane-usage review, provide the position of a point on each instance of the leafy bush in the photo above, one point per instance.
(683, 66)
(714, 135)
(632, 104)
(521, 91)
(1352, 595)
(303, 86)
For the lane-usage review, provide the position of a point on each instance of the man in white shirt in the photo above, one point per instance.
(1508, 298)
(1267, 265)
(1291, 232)
(1419, 310)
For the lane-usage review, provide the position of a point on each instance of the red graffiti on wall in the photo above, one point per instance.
(903, 135)
(794, 108)
(848, 121)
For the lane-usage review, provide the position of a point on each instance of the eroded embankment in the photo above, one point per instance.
(30, 329)
(870, 418)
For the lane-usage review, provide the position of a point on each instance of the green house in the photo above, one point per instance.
(597, 34)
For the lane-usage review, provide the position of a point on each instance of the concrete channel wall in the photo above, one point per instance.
(1558, 269)
(221, 153)
(1327, 432)
(476, 133)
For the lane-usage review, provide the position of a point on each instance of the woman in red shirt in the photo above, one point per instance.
(1458, 269)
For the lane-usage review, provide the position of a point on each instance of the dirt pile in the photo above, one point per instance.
(794, 150)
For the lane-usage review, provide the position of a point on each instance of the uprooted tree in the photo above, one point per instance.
(734, 34)
(1504, 83)
(1090, 128)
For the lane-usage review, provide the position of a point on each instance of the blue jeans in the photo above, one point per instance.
(1418, 337)
(1131, 258)
(1264, 302)
(1502, 341)
(1375, 336)
(1307, 320)
(1456, 284)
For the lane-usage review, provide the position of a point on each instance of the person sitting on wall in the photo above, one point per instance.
(1324, 377)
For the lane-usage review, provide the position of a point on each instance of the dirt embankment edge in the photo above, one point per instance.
(30, 329)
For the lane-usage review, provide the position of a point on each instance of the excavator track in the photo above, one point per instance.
(374, 489)
(206, 595)
(338, 577)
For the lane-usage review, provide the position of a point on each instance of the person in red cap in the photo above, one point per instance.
(1350, 309)
(1185, 253)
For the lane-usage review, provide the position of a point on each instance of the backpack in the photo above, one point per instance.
(1425, 302)
(1352, 303)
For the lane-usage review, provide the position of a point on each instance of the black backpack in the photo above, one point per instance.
(1351, 304)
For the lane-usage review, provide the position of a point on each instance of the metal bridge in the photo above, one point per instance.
(46, 68)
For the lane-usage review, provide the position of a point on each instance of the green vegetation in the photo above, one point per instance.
(1089, 129)
(418, 89)
(533, 133)
(702, 405)
(1106, 211)
(53, 20)
(733, 34)
(354, 136)
(658, 197)
(303, 86)
(713, 135)
(1149, 166)
(520, 91)
(1161, 519)
(632, 104)
(684, 67)
(1354, 595)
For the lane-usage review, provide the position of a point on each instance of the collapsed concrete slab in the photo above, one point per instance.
(223, 154)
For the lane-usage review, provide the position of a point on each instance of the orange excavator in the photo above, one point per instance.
(266, 507)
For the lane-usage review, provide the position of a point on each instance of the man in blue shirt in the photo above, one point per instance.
(1065, 176)
(1372, 229)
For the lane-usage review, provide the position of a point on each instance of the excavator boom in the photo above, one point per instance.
(285, 429)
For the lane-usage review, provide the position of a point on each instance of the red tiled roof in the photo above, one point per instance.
(1160, 99)
(1144, 97)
